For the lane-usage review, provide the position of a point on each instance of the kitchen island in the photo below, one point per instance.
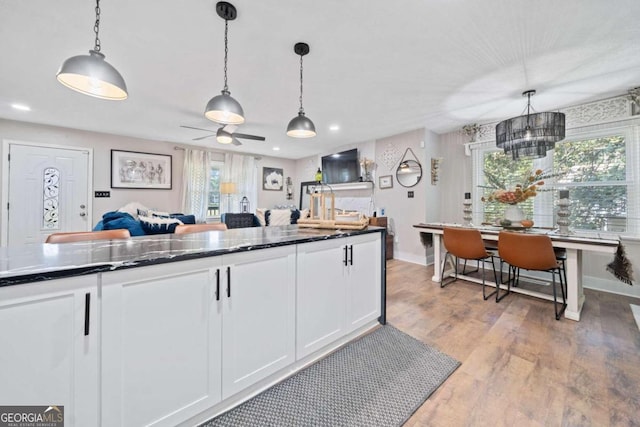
(167, 329)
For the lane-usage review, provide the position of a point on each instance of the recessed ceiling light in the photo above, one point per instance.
(334, 127)
(20, 107)
(276, 148)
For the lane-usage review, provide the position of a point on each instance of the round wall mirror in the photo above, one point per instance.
(409, 173)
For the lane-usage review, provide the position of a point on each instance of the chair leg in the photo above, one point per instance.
(495, 276)
(498, 297)
(464, 268)
(516, 277)
(564, 300)
(564, 275)
(455, 270)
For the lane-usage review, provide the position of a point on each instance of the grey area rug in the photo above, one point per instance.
(379, 380)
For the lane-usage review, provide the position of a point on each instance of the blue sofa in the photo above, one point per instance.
(141, 227)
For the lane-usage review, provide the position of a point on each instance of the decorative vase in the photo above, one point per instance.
(467, 211)
(563, 213)
(514, 213)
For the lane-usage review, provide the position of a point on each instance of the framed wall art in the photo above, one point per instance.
(385, 181)
(272, 179)
(132, 169)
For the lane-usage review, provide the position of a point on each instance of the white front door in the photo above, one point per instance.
(48, 192)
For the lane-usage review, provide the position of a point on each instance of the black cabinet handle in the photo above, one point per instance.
(87, 312)
(344, 260)
(351, 254)
(217, 284)
(228, 282)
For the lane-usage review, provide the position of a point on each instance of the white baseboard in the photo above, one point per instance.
(635, 309)
(412, 258)
(611, 286)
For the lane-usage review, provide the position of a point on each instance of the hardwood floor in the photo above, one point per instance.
(520, 367)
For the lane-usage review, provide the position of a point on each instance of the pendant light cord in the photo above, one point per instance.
(301, 109)
(226, 53)
(96, 27)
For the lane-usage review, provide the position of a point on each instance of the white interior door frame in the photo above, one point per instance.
(4, 200)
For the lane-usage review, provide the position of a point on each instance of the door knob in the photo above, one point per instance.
(83, 214)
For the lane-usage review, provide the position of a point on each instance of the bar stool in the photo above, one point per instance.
(82, 236)
(199, 228)
(466, 243)
(532, 252)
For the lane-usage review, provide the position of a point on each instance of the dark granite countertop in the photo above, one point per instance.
(31, 263)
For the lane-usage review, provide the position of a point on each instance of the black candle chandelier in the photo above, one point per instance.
(530, 135)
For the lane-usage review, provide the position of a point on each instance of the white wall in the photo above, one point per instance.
(455, 177)
(102, 144)
(166, 200)
(401, 211)
(269, 199)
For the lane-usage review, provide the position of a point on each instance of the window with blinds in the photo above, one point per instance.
(595, 173)
(213, 206)
(600, 171)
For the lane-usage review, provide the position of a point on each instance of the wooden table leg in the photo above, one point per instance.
(575, 292)
(437, 262)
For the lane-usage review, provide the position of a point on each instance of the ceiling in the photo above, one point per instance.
(376, 68)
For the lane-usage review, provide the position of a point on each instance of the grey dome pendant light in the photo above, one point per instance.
(223, 108)
(91, 74)
(301, 126)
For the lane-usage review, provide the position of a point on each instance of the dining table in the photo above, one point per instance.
(574, 244)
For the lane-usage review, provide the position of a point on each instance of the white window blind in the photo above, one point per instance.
(601, 170)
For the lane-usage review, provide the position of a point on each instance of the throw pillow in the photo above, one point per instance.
(158, 214)
(261, 214)
(134, 209)
(156, 225)
(280, 217)
(116, 220)
(186, 219)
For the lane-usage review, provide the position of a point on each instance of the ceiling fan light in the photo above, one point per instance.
(224, 109)
(93, 76)
(301, 127)
(224, 137)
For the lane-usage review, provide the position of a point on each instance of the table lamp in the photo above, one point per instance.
(228, 188)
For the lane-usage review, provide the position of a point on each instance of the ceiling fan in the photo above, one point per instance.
(226, 135)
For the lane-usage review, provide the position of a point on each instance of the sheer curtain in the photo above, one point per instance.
(242, 171)
(195, 179)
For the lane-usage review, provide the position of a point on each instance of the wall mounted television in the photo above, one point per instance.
(341, 167)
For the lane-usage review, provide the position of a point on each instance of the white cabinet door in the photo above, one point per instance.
(321, 293)
(258, 316)
(365, 272)
(49, 352)
(161, 343)
(338, 289)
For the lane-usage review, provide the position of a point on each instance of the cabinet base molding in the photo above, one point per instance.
(279, 376)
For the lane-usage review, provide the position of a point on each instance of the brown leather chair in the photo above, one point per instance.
(199, 228)
(82, 236)
(532, 252)
(466, 244)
